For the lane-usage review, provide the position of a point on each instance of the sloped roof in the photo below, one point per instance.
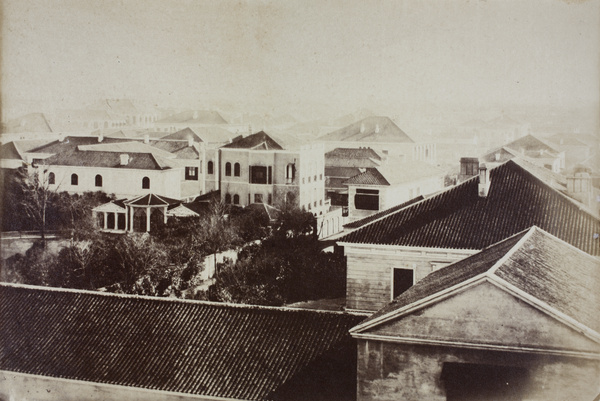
(139, 161)
(184, 134)
(259, 140)
(130, 146)
(33, 122)
(180, 149)
(8, 151)
(195, 117)
(373, 217)
(530, 143)
(396, 174)
(535, 262)
(459, 218)
(369, 130)
(152, 200)
(218, 350)
(352, 153)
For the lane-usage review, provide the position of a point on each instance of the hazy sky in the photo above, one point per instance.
(281, 54)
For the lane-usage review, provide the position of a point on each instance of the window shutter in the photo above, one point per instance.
(270, 175)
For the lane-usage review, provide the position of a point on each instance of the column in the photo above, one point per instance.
(165, 215)
(148, 219)
(131, 209)
(105, 220)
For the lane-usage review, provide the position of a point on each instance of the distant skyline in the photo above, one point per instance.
(286, 56)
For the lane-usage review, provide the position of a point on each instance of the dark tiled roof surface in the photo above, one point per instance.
(344, 172)
(373, 217)
(179, 148)
(153, 200)
(210, 349)
(370, 177)
(142, 161)
(184, 134)
(460, 218)
(259, 140)
(352, 153)
(388, 132)
(543, 266)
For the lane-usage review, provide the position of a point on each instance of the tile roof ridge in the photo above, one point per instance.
(528, 234)
(170, 299)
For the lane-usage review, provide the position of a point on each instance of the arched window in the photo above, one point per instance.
(51, 178)
(236, 169)
(98, 180)
(289, 173)
(228, 169)
(145, 183)
(228, 198)
(236, 199)
(209, 167)
(74, 179)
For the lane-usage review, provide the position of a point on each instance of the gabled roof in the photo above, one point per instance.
(195, 117)
(531, 144)
(259, 140)
(395, 174)
(544, 270)
(111, 207)
(459, 218)
(215, 350)
(370, 129)
(184, 134)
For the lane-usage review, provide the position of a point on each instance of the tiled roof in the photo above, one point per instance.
(34, 122)
(181, 149)
(202, 348)
(352, 153)
(539, 264)
(344, 172)
(374, 130)
(530, 143)
(373, 217)
(460, 218)
(259, 140)
(142, 161)
(195, 117)
(8, 151)
(398, 173)
(184, 134)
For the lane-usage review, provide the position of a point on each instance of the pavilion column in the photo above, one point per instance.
(105, 220)
(165, 215)
(148, 219)
(131, 209)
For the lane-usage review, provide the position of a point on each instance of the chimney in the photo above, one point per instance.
(61, 137)
(579, 185)
(190, 141)
(362, 128)
(377, 128)
(124, 159)
(100, 137)
(469, 167)
(146, 138)
(484, 180)
(497, 156)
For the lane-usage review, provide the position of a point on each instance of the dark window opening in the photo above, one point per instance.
(236, 169)
(258, 198)
(51, 178)
(145, 183)
(470, 382)
(191, 173)
(209, 167)
(258, 174)
(403, 280)
(290, 172)
(228, 169)
(236, 199)
(366, 199)
(228, 198)
(74, 179)
(98, 180)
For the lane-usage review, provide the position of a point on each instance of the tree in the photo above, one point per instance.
(32, 193)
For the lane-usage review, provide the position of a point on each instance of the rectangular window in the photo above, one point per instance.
(403, 279)
(469, 381)
(258, 198)
(258, 175)
(366, 199)
(191, 173)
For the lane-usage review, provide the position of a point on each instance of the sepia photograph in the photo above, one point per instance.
(299, 200)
